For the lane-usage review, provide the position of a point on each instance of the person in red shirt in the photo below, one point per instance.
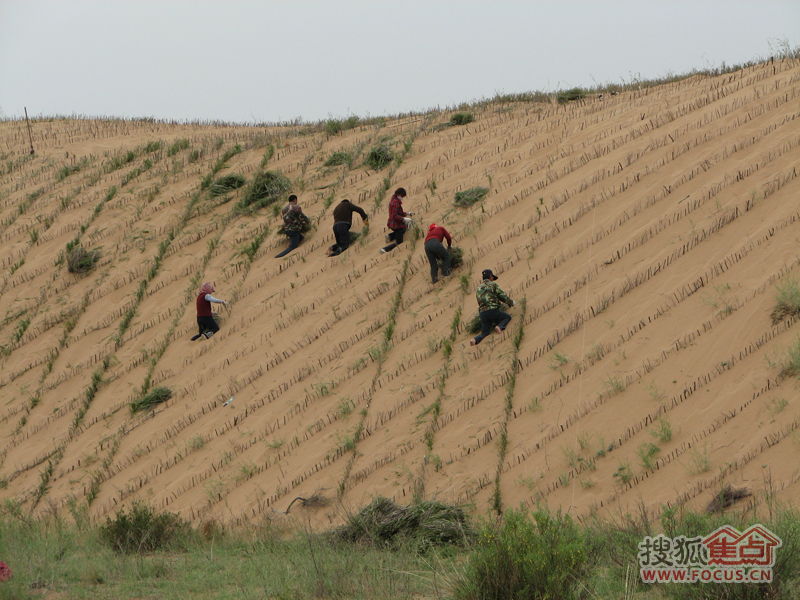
(205, 320)
(435, 250)
(396, 222)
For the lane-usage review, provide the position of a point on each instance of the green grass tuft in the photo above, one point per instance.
(379, 157)
(81, 260)
(461, 118)
(266, 188)
(226, 184)
(470, 196)
(154, 397)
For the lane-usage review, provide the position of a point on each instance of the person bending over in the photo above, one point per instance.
(435, 250)
(342, 221)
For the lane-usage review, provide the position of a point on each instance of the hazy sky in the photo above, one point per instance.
(276, 60)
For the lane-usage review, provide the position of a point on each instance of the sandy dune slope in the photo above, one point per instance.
(645, 231)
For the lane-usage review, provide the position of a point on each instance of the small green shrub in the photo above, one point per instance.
(154, 397)
(461, 118)
(470, 196)
(226, 184)
(177, 146)
(333, 126)
(571, 95)
(340, 157)
(266, 188)
(524, 557)
(142, 530)
(379, 157)
(787, 299)
(81, 260)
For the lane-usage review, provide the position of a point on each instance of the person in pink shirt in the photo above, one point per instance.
(435, 250)
(205, 319)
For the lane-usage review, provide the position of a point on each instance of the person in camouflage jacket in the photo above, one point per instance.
(490, 299)
(294, 221)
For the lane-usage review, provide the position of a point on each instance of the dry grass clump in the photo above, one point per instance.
(316, 500)
(427, 523)
(726, 497)
(81, 260)
(470, 196)
(154, 397)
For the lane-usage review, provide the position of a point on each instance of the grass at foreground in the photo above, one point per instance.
(427, 551)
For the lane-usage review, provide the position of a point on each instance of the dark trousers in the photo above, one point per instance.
(295, 237)
(488, 320)
(341, 232)
(435, 250)
(206, 324)
(397, 236)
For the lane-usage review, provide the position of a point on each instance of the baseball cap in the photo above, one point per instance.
(487, 274)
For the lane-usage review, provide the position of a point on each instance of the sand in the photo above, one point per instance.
(646, 232)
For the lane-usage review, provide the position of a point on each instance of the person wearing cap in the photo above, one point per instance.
(435, 250)
(396, 220)
(205, 318)
(490, 299)
(293, 222)
(342, 221)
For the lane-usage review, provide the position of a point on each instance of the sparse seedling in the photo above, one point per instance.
(345, 407)
(558, 359)
(613, 385)
(699, 460)
(776, 405)
(646, 452)
(624, 473)
(655, 394)
(662, 430)
(463, 285)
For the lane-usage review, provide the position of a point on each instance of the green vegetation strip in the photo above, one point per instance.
(516, 341)
(382, 552)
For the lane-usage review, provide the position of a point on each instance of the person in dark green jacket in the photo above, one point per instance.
(490, 299)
